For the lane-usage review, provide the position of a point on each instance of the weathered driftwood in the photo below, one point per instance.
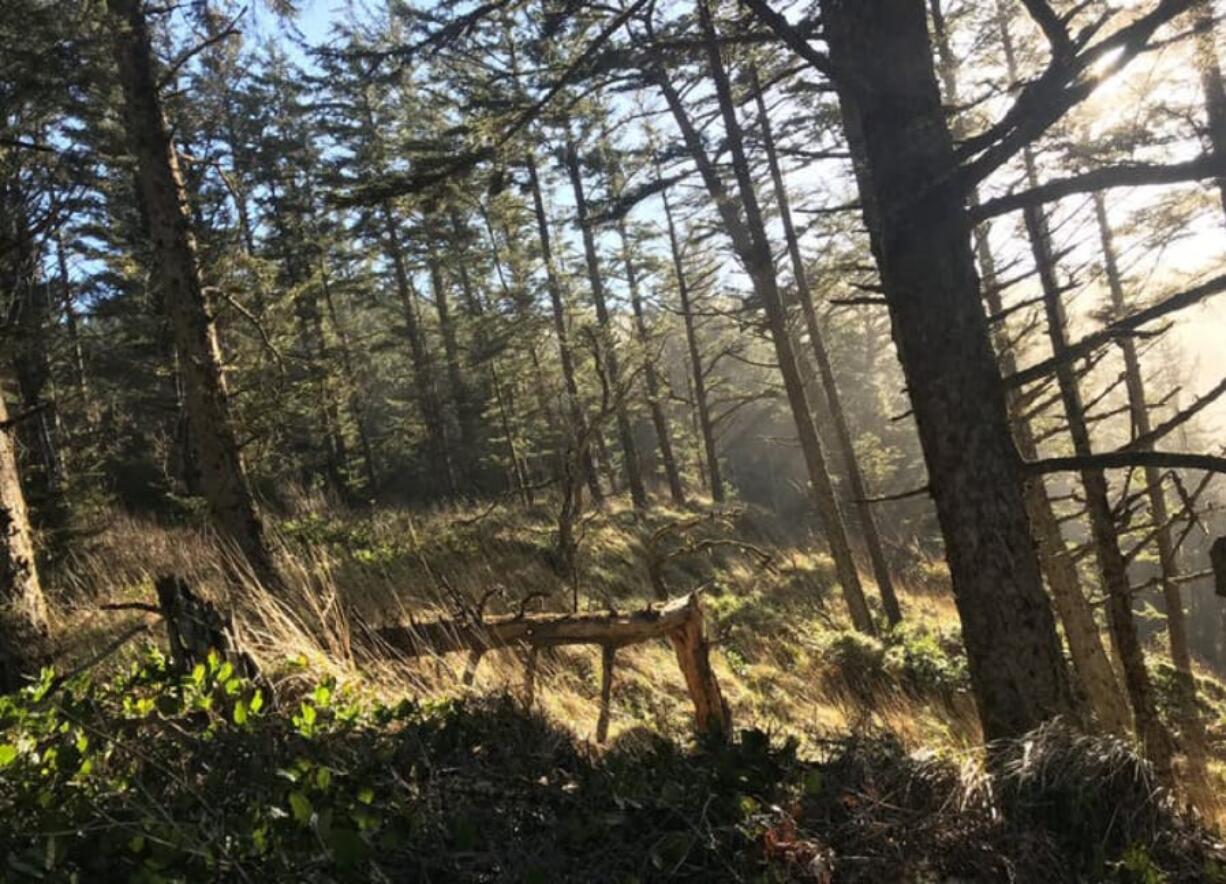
(680, 621)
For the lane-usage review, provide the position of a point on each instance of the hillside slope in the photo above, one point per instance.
(856, 760)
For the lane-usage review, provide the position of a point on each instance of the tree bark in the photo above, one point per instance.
(1095, 676)
(755, 252)
(1212, 85)
(23, 608)
(659, 419)
(1176, 622)
(625, 432)
(222, 477)
(713, 476)
(834, 402)
(1110, 558)
(1090, 661)
(888, 85)
(565, 353)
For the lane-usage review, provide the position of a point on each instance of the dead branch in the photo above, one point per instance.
(680, 621)
(1117, 329)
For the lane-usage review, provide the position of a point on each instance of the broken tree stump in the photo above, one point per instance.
(680, 621)
(194, 627)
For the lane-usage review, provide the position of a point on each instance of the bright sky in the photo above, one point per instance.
(1200, 334)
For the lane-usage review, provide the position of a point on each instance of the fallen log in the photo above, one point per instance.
(680, 621)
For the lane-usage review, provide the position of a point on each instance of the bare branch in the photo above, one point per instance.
(1114, 460)
(1122, 175)
(1117, 329)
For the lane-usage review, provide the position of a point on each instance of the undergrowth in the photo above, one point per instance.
(363, 767)
(153, 776)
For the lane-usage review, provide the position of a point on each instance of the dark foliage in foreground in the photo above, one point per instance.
(151, 777)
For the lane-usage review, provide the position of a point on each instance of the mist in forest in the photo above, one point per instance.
(536, 440)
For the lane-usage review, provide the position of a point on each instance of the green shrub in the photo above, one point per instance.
(858, 661)
(926, 662)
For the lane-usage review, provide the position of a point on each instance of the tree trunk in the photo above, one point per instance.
(517, 470)
(349, 372)
(466, 417)
(1211, 82)
(1111, 562)
(1095, 676)
(834, 403)
(423, 366)
(23, 608)
(222, 478)
(927, 268)
(565, 354)
(1176, 622)
(659, 419)
(80, 374)
(32, 364)
(713, 476)
(630, 451)
(754, 249)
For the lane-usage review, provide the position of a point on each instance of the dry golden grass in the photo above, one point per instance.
(344, 570)
(775, 628)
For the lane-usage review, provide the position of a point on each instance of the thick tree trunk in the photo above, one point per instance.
(23, 609)
(1176, 622)
(713, 475)
(222, 478)
(834, 402)
(1111, 562)
(659, 419)
(754, 249)
(625, 432)
(1095, 676)
(565, 354)
(888, 86)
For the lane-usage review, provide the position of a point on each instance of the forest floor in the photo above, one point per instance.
(856, 759)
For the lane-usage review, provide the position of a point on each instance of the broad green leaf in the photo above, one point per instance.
(300, 807)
